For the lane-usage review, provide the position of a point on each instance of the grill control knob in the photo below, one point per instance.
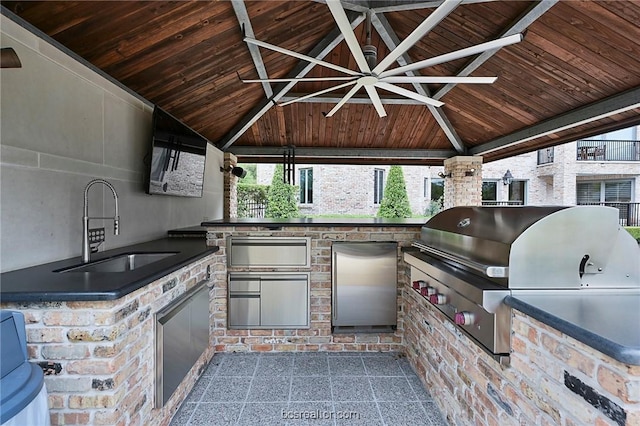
(438, 299)
(427, 291)
(417, 285)
(464, 318)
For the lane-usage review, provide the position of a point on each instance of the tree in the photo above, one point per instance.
(283, 201)
(395, 202)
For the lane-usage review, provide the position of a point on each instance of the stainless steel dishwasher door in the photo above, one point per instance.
(244, 301)
(365, 281)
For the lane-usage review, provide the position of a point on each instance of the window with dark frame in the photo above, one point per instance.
(489, 191)
(378, 185)
(437, 189)
(306, 186)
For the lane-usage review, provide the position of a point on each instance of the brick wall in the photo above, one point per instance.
(318, 337)
(99, 356)
(553, 379)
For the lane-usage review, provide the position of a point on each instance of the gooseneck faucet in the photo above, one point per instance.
(86, 249)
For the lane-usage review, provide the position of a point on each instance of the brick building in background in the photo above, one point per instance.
(601, 169)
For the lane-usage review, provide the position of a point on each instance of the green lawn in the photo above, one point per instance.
(634, 231)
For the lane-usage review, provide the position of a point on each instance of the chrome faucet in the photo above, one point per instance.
(86, 249)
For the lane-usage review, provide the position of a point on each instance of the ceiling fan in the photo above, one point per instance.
(374, 75)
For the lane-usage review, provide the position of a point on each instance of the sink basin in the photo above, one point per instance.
(120, 263)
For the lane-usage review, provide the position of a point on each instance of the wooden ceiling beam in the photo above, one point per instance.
(343, 153)
(608, 107)
(391, 39)
(521, 24)
(322, 49)
(245, 24)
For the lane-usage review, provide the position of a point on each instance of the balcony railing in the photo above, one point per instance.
(545, 156)
(502, 203)
(597, 150)
(629, 212)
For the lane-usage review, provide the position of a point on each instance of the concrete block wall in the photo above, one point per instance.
(98, 356)
(318, 337)
(553, 379)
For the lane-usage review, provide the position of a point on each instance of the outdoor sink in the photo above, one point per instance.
(120, 263)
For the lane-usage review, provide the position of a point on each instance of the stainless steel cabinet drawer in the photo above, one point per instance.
(243, 284)
(249, 252)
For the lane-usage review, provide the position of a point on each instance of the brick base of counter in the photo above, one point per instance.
(318, 337)
(553, 379)
(98, 357)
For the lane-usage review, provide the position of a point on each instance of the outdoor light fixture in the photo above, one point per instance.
(235, 170)
(470, 172)
(444, 175)
(9, 58)
(507, 178)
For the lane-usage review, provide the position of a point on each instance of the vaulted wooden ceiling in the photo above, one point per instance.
(575, 74)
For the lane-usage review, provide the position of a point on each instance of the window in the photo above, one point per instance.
(437, 189)
(489, 191)
(306, 186)
(619, 191)
(378, 185)
(517, 192)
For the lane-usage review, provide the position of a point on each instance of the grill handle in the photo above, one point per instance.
(488, 270)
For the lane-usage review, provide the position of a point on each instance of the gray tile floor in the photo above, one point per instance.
(309, 389)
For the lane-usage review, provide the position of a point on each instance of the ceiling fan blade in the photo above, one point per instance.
(321, 92)
(452, 56)
(409, 94)
(300, 56)
(346, 97)
(349, 36)
(287, 80)
(9, 58)
(427, 25)
(375, 100)
(439, 79)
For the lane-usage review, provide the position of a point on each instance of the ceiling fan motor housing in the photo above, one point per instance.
(371, 55)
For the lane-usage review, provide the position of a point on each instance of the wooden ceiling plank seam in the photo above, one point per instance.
(617, 104)
(521, 24)
(319, 51)
(245, 23)
(391, 39)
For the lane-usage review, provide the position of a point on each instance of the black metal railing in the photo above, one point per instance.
(503, 203)
(596, 150)
(251, 208)
(629, 212)
(545, 156)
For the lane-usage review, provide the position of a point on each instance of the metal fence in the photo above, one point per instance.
(252, 208)
(629, 213)
(597, 150)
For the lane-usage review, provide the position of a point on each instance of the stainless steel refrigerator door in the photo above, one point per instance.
(364, 279)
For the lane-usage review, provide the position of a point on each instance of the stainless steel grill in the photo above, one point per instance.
(470, 258)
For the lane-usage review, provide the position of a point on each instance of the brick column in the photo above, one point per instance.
(464, 187)
(230, 208)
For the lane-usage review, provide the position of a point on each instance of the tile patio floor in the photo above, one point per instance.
(328, 388)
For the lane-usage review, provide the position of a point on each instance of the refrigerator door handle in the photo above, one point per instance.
(334, 289)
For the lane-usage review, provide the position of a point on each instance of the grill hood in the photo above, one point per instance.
(536, 247)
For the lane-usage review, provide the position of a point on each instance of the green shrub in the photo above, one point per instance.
(395, 202)
(283, 198)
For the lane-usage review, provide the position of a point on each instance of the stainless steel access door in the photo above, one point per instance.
(364, 277)
(285, 301)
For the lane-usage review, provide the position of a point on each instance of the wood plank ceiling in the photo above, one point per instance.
(579, 63)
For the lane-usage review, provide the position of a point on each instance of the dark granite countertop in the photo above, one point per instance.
(195, 231)
(319, 222)
(41, 284)
(605, 321)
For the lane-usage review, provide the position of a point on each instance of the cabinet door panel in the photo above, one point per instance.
(284, 302)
